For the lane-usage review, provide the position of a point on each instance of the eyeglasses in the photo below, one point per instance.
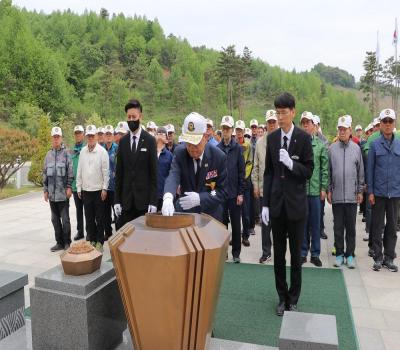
(283, 113)
(387, 121)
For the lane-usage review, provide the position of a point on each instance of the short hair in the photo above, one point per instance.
(162, 130)
(133, 103)
(285, 100)
(219, 132)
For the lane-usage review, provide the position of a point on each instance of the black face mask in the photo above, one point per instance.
(133, 125)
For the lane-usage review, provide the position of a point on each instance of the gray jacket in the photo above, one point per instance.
(57, 174)
(346, 172)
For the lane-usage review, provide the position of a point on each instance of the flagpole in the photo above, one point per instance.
(396, 83)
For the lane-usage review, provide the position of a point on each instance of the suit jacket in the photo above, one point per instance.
(289, 190)
(212, 181)
(136, 173)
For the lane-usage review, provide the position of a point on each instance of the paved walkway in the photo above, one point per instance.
(26, 235)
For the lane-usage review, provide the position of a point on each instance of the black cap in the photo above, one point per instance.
(133, 103)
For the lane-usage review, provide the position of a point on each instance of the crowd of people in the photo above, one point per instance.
(272, 174)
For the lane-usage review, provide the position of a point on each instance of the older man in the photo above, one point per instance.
(200, 171)
(57, 182)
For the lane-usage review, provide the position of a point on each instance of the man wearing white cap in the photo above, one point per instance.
(171, 145)
(151, 128)
(359, 131)
(79, 138)
(320, 135)
(57, 182)
(345, 191)
(120, 131)
(253, 127)
(210, 133)
(384, 191)
(200, 171)
(100, 136)
(92, 184)
(257, 178)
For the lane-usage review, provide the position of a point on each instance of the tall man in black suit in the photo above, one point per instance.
(289, 163)
(136, 169)
(200, 171)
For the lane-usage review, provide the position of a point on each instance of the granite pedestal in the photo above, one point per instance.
(77, 312)
(304, 331)
(12, 301)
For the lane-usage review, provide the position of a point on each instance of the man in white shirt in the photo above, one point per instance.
(92, 183)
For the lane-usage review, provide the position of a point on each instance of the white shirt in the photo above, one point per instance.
(288, 135)
(93, 167)
(195, 163)
(137, 134)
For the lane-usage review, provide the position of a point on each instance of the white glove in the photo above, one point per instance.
(285, 158)
(117, 209)
(265, 215)
(152, 209)
(191, 200)
(168, 205)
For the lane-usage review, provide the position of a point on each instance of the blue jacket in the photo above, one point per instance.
(164, 164)
(212, 141)
(235, 167)
(384, 168)
(112, 155)
(212, 183)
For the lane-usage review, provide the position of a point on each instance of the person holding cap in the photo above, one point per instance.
(112, 149)
(57, 188)
(136, 170)
(346, 187)
(79, 135)
(92, 184)
(317, 187)
(210, 133)
(235, 183)
(164, 163)
(257, 178)
(384, 191)
(200, 171)
(289, 164)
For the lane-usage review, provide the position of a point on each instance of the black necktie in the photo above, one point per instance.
(285, 140)
(197, 175)
(134, 144)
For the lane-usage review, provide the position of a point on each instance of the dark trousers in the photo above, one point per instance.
(312, 228)
(94, 215)
(245, 210)
(252, 209)
(282, 227)
(79, 214)
(61, 222)
(388, 206)
(232, 215)
(108, 212)
(129, 215)
(344, 218)
(321, 221)
(266, 242)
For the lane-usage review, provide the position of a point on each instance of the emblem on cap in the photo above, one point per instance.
(191, 126)
(227, 119)
(89, 127)
(387, 112)
(56, 129)
(342, 119)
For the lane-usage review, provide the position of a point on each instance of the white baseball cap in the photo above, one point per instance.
(79, 128)
(228, 121)
(344, 122)
(317, 119)
(253, 122)
(240, 125)
(108, 129)
(307, 115)
(247, 131)
(56, 131)
(349, 118)
(210, 122)
(151, 125)
(261, 126)
(376, 121)
(170, 128)
(100, 130)
(358, 127)
(271, 115)
(387, 113)
(194, 128)
(91, 130)
(369, 127)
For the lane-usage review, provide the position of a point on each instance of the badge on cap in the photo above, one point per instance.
(191, 126)
(387, 112)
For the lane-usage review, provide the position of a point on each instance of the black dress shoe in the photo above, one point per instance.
(280, 309)
(66, 246)
(57, 247)
(78, 237)
(265, 258)
(246, 242)
(316, 261)
(323, 235)
(292, 307)
(303, 259)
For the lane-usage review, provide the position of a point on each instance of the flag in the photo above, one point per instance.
(395, 34)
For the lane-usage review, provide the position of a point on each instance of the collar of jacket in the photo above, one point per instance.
(78, 146)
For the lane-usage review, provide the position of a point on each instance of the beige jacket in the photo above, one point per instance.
(257, 175)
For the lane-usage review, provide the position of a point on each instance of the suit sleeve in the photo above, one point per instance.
(174, 177)
(207, 200)
(153, 171)
(268, 175)
(119, 171)
(304, 167)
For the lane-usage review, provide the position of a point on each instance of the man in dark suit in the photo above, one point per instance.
(200, 171)
(136, 169)
(289, 164)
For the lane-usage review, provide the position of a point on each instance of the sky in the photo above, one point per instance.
(291, 34)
